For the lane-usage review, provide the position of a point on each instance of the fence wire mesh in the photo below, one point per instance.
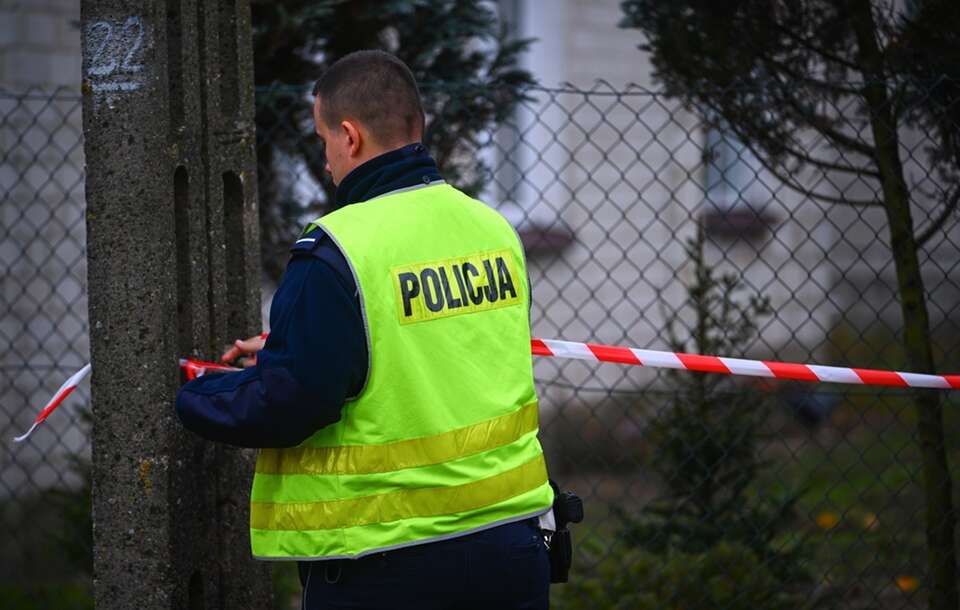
(648, 225)
(43, 326)
(651, 226)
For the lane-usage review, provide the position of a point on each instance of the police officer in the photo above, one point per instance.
(393, 401)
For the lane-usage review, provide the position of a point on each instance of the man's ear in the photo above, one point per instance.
(354, 139)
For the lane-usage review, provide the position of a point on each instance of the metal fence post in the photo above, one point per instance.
(173, 270)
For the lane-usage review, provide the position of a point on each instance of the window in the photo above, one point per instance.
(735, 205)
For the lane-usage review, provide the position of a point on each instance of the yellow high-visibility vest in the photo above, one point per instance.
(442, 439)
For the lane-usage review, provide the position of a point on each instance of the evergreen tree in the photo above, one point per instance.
(458, 51)
(711, 538)
(705, 442)
(855, 73)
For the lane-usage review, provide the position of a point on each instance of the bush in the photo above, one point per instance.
(62, 596)
(727, 576)
(705, 448)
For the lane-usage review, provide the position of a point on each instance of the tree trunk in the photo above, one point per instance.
(940, 517)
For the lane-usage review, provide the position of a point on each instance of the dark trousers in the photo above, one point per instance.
(502, 568)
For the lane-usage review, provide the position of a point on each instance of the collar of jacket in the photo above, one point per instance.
(400, 168)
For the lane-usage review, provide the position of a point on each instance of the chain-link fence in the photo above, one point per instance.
(43, 330)
(650, 226)
(646, 225)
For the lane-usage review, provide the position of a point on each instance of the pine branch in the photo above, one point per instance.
(937, 224)
(828, 165)
(780, 66)
(806, 192)
(822, 124)
(806, 44)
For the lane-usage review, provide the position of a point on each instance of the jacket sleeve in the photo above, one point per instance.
(314, 359)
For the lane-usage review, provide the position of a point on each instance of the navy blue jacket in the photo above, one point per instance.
(316, 355)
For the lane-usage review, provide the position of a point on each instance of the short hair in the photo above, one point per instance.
(375, 88)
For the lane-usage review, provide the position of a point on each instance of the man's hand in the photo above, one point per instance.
(246, 349)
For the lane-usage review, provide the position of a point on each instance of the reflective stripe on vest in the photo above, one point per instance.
(442, 439)
(398, 505)
(360, 459)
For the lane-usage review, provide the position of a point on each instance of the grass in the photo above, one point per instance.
(862, 506)
(860, 509)
(62, 596)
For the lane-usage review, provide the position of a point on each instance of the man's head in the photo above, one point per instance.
(365, 104)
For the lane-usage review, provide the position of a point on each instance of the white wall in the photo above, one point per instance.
(39, 43)
(42, 238)
(626, 174)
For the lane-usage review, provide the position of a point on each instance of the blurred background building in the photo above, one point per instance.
(43, 310)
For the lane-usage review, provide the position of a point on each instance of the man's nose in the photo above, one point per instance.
(326, 166)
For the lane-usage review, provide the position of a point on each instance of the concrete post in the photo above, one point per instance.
(173, 269)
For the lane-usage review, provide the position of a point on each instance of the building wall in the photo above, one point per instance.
(43, 308)
(39, 43)
(626, 174)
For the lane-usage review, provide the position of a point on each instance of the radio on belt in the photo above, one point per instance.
(567, 508)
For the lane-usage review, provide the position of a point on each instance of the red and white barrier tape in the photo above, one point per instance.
(738, 366)
(65, 390)
(198, 368)
(626, 355)
(191, 368)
